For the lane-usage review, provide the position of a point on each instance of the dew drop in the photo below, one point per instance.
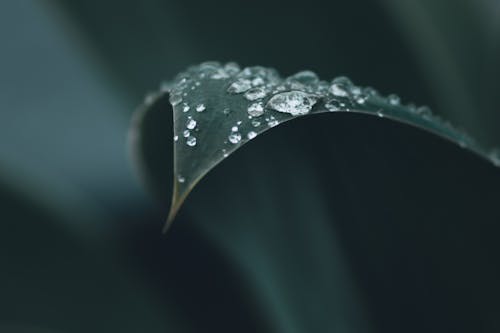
(251, 135)
(185, 107)
(293, 102)
(255, 123)
(393, 99)
(200, 108)
(186, 133)
(191, 124)
(176, 138)
(380, 113)
(181, 179)
(256, 109)
(333, 105)
(271, 122)
(191, 141)
(226, 111)
(225, 153)
(424, 111)
(338, 90)
(305, 77)
(255, 94)
(239, 86)
(175, 99)
(234, 129)
(234, 138)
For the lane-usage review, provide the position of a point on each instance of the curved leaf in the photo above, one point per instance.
(218, 108)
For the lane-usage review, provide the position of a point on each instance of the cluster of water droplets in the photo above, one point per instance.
(257, 98)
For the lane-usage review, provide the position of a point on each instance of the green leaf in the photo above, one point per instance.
(219, 108)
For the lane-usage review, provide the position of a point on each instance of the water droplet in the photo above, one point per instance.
(234, 138)
(360, 99)
(256, 109)
(239, 86)
(219, 74)
(255, 123)
(234, 129)
(305, 77)
(238, 122)
(185, 107)
(232, 68)
(176, 138)
(338, 90)
(191, 141)
(255, 93)
(293, 102)
(380, 113)
(200, 108)
(175, 99)
(225, 153)
(226, 111)
(181, 179)
(251, 135)
(271, 122)
(191, 123)
(333, 105)
(186, 133)
(393, 99)
(424, 111)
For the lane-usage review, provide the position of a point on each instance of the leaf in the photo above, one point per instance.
(219, 108)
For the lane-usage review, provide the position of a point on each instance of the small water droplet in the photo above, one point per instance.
(271, 122)
(255, 123)
(251, 135)
(176, 138)
(333, 105)
(191, 141)
(186, 133)
(393, 99)
(234, 138)
(256, 109)
(226, 111)
(380, 113)
(191, 123)
(181, 179)
(225, 153)
(175, 99)
(305, 77)
(255, 93)
(234, 129)
(185, 107)
(338, 90)
(293, 102)
(232, 68)
(200, 108)
(239, 86)
(424, 111)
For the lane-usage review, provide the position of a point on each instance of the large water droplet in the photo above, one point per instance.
(234, 137)
(293, 102)
(191, 141)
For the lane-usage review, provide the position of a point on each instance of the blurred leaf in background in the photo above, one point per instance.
(285, 245)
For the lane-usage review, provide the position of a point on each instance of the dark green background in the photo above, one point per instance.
(339, 223)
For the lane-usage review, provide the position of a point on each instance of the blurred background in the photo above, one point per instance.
(80, 242)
